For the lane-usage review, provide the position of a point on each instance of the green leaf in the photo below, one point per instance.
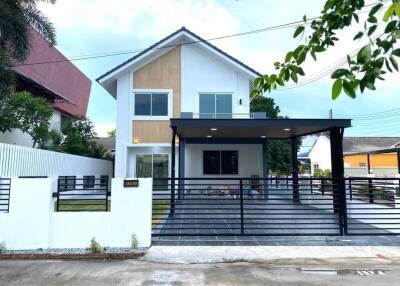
(294, 76)
(394, 63)
(301, 57)
(300, 71)
(364, 55)
(336, 88)
(257, 82)
(391, 26)
(397, 9)
(396, 52)
(338, 73)
(389, 12)
(318, 49)
(313, 55)
(358, 35)
(288, 57)
(372, 29)
(280, 81)
(375, 9)
(305, 18)
(298, 31)
(388, 65)
(372, 19)
(348, 89)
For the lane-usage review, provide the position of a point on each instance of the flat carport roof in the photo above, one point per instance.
(254, 128)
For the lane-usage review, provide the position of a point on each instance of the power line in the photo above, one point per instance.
(135, 51)
(368, 114)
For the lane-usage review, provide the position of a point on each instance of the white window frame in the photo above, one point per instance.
(169, 92)
(152, 159)
(199, 93)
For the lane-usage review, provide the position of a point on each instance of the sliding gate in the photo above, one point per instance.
(245, 206)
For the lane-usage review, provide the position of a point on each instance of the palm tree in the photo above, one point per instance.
(17, 17)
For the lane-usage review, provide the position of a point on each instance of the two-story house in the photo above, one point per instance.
(185, 96)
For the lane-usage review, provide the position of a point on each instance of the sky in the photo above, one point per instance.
(88, 27)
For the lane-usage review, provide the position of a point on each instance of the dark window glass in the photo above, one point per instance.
(142, 104)
(207, 105)
(229, 162)
(211, 162)
(223, 107)
(159, 104)
(88, 182)
(104, 180)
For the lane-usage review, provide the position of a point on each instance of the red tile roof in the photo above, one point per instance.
(62, 78)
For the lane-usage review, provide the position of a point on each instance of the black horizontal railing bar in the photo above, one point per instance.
(246, 217)
(247, 223)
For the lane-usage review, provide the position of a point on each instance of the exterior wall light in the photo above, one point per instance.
(263, 136)
(213, 129)
(135, 140)
(209, 136)
(287, 129)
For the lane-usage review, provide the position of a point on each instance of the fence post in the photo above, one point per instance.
(323, 186)
(311, 186)
(58, 194)
(107, 188)
(241, 208)
(370, 191)
(350, 190)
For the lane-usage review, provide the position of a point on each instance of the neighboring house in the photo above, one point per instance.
(362, 155)
(60, 82)
(107, 142)
(320, 155)
(183, 90)
(375, 154)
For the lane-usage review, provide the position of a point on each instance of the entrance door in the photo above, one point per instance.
(152, 165)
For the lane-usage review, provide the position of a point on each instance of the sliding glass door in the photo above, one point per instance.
(152, 165)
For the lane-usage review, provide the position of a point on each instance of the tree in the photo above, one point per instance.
(29, 114)
(112, 133)
(372, 61)
(279, 150)
(77, 137)
(17, 17)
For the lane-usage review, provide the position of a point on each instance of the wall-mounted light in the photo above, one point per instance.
(263, 136)
(135, 140)
(287, 129)
(209, 136)
(240, 101)
(213, 129)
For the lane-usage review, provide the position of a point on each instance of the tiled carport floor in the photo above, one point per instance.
(292, 224)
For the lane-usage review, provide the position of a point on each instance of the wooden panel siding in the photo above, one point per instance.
(151, 131)
(161, 73)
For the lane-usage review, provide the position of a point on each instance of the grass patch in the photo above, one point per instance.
(160, 208)
(83, 205)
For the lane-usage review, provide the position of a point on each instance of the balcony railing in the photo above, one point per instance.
(252, 115)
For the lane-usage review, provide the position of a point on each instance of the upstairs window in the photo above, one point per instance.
(151, 104)
(215, 105)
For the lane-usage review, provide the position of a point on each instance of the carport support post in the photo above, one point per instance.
(295, 170)
(338, 187)
(265, 170)
(172, 201)
(181, 170)
(398, 162)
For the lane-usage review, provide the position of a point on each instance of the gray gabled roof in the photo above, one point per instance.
(368, 144)
(183, 29)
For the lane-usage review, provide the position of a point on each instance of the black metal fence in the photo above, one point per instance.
(5, 186)
(373, 206)
(276, 206)
(88, 193)
(244, 206)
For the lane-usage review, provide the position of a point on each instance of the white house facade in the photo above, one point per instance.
(168, 80)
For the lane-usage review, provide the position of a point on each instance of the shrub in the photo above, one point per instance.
(134, 242)
(3, 247)
(94, 247)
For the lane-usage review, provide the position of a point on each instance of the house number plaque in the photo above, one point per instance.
(131, 183)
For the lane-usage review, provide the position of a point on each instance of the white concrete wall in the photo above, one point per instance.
(203, 72)
(32, 222)
(124, 125)
(250, 159)
(25, 161)
(321, 154)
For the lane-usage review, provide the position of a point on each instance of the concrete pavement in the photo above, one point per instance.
(363, 272)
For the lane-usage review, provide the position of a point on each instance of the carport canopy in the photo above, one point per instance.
(254, 128)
